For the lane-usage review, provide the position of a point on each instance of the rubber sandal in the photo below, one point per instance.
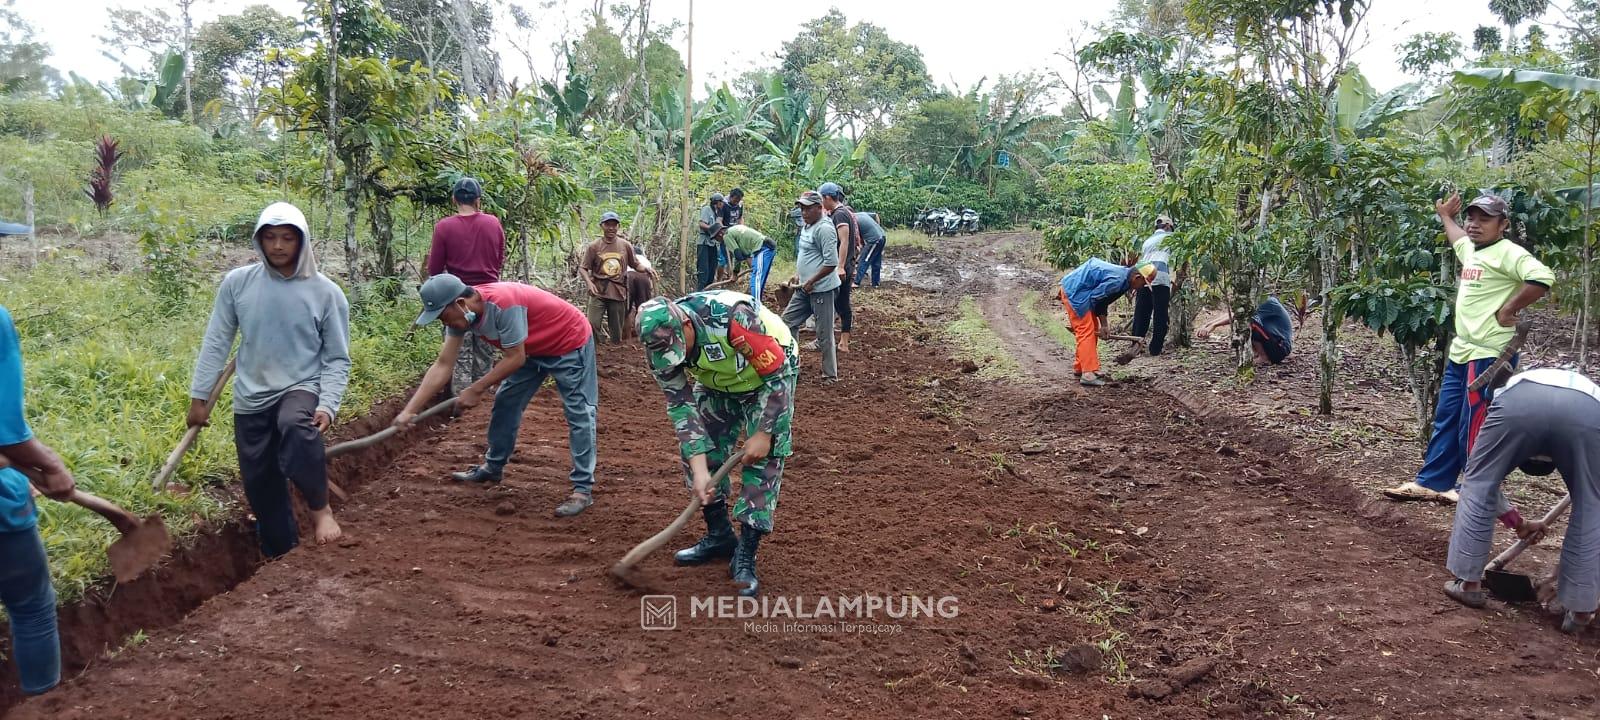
(1470, 598)
(1571, 625)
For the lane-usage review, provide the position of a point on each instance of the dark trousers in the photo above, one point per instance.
(1456, 420)
(611, 312)
(706, 264)
(871, 258)
(30, 602)
(841, 305)
(1147, 301)
(276, 447)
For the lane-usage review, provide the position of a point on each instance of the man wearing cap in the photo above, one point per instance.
(539, 335)
(470, 245)
(604, 264)
(742, 243)
(843, 219)
(816, 265)
(1541, 421)
(728, 367)
(1498, 279)
(1153, 302)
(710, 240)
(1084, 293)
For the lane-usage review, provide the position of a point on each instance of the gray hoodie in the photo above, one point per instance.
(295, 329)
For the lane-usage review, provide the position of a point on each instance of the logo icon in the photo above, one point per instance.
(658, 612)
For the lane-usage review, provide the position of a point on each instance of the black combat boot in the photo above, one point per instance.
(743, 566)
(719, 541)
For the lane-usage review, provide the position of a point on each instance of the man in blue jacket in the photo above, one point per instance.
(1085, 292)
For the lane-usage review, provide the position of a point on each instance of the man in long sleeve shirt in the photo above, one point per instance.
(1498, 279)
(292, 366)
(728, 367)
(1090, 286)
(470, 245)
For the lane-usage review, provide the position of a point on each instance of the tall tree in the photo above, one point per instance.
(231, 64)
(450, 36)
(1513, 13)
(859, 73)
(22, 57)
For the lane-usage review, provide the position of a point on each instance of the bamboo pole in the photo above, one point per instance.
(688, 143)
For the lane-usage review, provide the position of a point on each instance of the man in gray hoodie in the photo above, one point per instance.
(292, 369)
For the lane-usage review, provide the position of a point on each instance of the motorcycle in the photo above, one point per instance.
(970, 221)
(951, 224)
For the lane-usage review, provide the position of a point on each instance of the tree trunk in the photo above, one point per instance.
(352, 201)
(188, 60)
(1588, 245)
(332, 131)
(469, 50)
(381, 220)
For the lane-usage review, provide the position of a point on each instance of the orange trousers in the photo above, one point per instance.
(1087, 330)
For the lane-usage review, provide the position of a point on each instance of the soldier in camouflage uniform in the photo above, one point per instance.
(728, 367)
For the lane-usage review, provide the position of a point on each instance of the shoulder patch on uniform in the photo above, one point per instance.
(714, 352)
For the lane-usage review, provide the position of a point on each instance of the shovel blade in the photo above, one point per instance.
(1510, 586)
(139, 550)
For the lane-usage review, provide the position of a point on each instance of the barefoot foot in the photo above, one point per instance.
(327, 529)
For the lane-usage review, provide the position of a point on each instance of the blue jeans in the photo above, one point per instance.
(871, 257)
(1455, 424)
(706, 264)
(30, 601)
(574, 374)
(760, 266)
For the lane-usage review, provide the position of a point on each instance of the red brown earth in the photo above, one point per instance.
(1113, 554)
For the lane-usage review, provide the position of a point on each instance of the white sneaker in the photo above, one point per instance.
(1450, 496)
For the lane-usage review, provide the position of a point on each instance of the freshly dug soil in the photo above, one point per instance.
(1136, 562)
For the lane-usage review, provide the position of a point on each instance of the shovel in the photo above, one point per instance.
(143, 542)
(623, 570)
(1515, 587)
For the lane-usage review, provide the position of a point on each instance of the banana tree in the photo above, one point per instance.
(1569, 105)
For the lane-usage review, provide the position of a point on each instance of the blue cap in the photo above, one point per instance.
(467, 190)
(608, 217)
(831, 189)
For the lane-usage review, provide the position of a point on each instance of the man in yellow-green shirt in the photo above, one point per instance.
(1498, 279)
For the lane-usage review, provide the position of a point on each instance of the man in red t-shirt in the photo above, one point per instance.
(539, 335)
(470, 245)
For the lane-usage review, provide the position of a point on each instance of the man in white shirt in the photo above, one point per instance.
(1543, 420)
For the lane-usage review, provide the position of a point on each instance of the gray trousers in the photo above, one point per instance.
(1532, 419)
(803, 306)
(472, 364)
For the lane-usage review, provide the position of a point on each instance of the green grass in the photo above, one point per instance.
(1050, 323)
(107, 366)
(974, 340)
(906, 237)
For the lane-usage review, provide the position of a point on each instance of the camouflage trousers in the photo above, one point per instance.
(726, 418)
(472, 364)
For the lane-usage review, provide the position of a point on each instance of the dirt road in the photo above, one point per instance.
(1106, 554)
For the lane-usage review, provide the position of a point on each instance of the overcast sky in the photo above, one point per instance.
(962, 42)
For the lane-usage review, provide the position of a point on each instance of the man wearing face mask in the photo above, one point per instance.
(1543, 420)
(292, 368)
(539, 335)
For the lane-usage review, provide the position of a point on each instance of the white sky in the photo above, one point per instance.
(961, 42)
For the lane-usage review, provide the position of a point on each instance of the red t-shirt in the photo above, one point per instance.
(471, 247)
(546, 325)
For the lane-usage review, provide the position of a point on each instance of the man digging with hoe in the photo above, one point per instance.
(728, 367)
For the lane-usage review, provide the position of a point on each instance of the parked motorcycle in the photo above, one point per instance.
(970, 221)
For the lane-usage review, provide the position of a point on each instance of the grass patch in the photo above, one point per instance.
(974, 340)
(906, 237)
(107, 366)
(1048, 322)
